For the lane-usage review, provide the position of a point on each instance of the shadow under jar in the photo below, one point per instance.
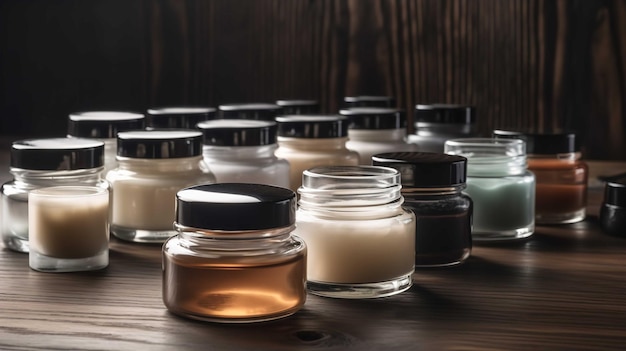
(234, 259)
(501, 187)
(561, 190)
(361, 241)
(431, 186)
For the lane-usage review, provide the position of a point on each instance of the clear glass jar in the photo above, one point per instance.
(561, 194)
(298, 107)
(375, 130)
(613, 208)
(361, 241)
(432, 186)
(310, 141)
(369, 101)
(436, 123)
(40, 163)
(257, 111)
(184, 117)
(242, 151)
(104, 126)
(152, 167)
(501, 187)
(234, 259)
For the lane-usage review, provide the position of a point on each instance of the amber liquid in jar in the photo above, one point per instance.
(234, 290)
(561, 190)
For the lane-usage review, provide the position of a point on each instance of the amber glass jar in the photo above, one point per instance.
(561, 190)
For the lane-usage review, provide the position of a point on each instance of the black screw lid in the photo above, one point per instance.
(238, 132)
(57, 154)
(374, 118)
(369, 101)
(312, 126)
(425, 169)
(541, 143)
(445, 113)
(159, 143)
(178, 117)
(103, 124)
(615, 192)
(235, 206)
(298, 107)
(263, 112)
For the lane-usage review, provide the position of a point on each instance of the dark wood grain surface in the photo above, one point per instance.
(539, 64)
(563, 289)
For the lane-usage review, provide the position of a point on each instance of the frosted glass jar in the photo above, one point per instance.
(369, 101)
(561, 194)
(40, 163)
(375, 130)
(258, 111)
(104, 126)
(501, 187)
(436, 123)
(152, 167)
(298, 107)
(68, 228)
(242, 151)
(432, 186)
(181, 117)
(234, 259)
(310, 141)
(361, 242)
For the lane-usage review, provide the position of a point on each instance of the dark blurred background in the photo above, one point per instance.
(543, 65)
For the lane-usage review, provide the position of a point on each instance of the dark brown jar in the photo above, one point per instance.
(432, 186)
(613, 209)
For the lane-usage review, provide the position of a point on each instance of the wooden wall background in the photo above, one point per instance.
(538, 64)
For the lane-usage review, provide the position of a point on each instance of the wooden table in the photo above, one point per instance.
(562, 289)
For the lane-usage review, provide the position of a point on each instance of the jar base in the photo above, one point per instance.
(16, 244)
(452, 258)
(140, 235)
(222, 320)
(561, 218)
(43, 263)
(360, 291)
(503, 235)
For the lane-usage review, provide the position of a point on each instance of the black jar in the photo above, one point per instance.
(613, 209)
(432, 186)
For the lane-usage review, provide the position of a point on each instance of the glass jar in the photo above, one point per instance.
(152, 166)
(432, 186)
(375, 130)
(40, 163)
(104, 126)
(613, 209)
(184, 117)
(561, 195)
(234, 258)
(68, 228)
(501, 187)
(310, 141)
(436, 123)
(369, 101)
(298, 107)
(361, 241)
(262, 112)
(242, 151)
